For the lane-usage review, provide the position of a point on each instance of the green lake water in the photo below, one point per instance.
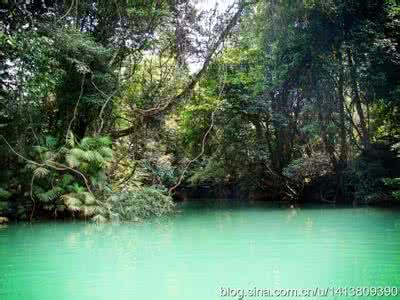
(201, 252)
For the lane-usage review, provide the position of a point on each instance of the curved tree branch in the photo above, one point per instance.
(168, 102)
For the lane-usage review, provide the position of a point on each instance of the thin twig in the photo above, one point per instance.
(203, 143)
(108, 98)
(197, 157)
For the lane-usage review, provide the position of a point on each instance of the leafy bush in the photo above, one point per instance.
(136, 205)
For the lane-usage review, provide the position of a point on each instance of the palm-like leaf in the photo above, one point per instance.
(106, 152)
(87, 143)
(88, 198)
(72, 202)
(104, 141)
(41, 172)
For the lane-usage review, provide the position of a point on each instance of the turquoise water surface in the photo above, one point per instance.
(200, 253)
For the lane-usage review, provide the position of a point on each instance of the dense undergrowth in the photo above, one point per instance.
(69, 179)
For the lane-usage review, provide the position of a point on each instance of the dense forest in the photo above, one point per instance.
(113, 110)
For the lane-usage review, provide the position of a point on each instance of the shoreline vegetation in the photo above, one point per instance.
(115, 110)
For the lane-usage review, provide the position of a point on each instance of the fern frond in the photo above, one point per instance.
(38, 190)
(99, 158)
(73, 207)
(93, 156)
(87, 143)
(63, 150)
(75, 157)
(78, 153)
(88, 198)
(50, 195)
(72, 202)
(72, 161)
(104, 141)
(89, 211)
(106, 152)
(41, 172)
(58, 190)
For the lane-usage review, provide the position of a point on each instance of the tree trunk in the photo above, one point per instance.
(341, 166)
(357, 101)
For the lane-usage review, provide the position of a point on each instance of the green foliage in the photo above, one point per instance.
(28, 76)
(394, 185)
(213, 172)
(140, 204)
(367, 173)
(230, 89)
(65, 174)
(85, 67)
(63, 189)
(365, 177)
(163, 172)
(4, 196)
(288, 106)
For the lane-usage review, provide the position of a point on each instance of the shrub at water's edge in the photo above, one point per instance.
(135, 205)
(70, 179)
